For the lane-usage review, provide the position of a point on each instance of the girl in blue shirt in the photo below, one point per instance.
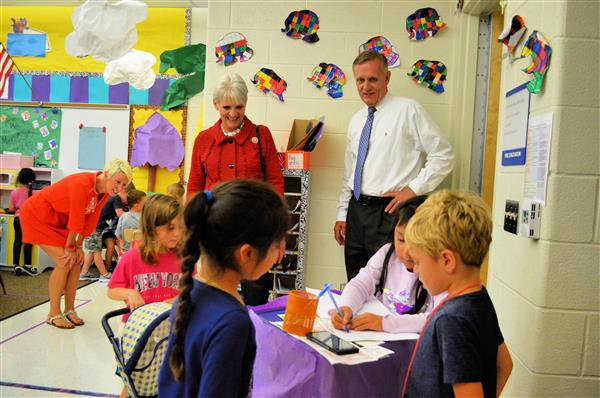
(236, 231)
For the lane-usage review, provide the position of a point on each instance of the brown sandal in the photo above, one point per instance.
(51, 320)
(71, 313)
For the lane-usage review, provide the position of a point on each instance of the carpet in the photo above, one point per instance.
(25, 292)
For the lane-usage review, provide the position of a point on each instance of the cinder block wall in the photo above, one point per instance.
(546, 292)
(344, 25)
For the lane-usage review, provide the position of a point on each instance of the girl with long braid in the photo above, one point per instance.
(236, 231)
(388, 276)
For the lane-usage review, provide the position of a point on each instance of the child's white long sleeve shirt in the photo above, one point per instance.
(399, 280)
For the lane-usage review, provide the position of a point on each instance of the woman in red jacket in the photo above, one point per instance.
(58, 218)
(234, 147)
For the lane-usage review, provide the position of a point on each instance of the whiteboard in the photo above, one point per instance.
(116, 122)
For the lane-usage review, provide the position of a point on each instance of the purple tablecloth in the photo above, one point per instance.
(286, 367)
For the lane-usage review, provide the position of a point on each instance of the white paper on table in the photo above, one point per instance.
(365, 354)
(373, 306)
(356, 335)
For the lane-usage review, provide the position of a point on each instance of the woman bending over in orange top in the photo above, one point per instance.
(58, 218)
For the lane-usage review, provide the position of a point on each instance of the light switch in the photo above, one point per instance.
(511, 216)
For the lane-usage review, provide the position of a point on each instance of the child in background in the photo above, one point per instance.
(114, 208)
(104, 236)
(150, 272)
(131, 219)
(388, 276)
(18, 196)
(93, 253)
(177, 191)
(461, 351)
(237, 232)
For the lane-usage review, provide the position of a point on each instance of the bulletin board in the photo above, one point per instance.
(138, 116)
(32, 131)
(164, 29)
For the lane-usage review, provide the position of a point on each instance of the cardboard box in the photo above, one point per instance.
(295, 159)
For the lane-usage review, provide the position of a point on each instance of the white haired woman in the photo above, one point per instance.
(234, 147)
(58, 218)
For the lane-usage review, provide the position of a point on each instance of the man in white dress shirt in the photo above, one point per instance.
(386, 140)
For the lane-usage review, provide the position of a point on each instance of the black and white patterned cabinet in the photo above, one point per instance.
(289, 273)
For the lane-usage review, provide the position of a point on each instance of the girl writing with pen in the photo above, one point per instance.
(389, 277)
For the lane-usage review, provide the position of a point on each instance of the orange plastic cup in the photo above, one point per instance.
(300, 312)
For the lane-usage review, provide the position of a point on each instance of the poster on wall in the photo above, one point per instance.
(31, 131)
(92, 148)
(514, 126)
(538, 157)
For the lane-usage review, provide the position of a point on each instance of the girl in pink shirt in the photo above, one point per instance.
(150, 272)
(18, 196)
(388, 276)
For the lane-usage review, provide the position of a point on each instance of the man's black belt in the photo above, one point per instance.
(367, 200)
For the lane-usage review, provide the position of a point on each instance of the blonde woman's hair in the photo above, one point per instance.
(457, 221)
(158, 210)
(116, 165)
(231, 86)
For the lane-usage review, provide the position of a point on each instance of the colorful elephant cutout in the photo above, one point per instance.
(540, 51)
(266, 80)
(383, 46)
(424, 23)
(431, 74)
(231, 47)
(330, 76)
(304, 23)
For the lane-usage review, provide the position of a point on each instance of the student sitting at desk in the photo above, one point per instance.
(388, 276)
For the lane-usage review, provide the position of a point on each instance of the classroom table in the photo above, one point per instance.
(286, 367)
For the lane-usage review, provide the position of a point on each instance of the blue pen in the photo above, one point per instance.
(325, 289)
(347, 327)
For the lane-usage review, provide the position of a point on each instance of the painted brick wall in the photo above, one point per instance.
(546, 292)
(344, 25)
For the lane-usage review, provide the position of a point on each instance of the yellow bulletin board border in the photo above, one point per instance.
(164, 29)
(132, 127)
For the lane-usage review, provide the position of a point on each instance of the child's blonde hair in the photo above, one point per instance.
(116, 165)
(176, 189)
(457, 221)
(158, 210)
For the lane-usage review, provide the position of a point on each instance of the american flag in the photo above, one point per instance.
(6, 65)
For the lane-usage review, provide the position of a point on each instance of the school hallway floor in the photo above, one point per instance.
(39, 360)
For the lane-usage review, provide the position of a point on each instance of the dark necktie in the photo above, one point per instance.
(363, 148)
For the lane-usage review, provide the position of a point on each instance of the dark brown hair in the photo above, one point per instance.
(401, 217)
(236, 212)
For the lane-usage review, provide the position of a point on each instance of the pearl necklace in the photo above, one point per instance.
(234, 132)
